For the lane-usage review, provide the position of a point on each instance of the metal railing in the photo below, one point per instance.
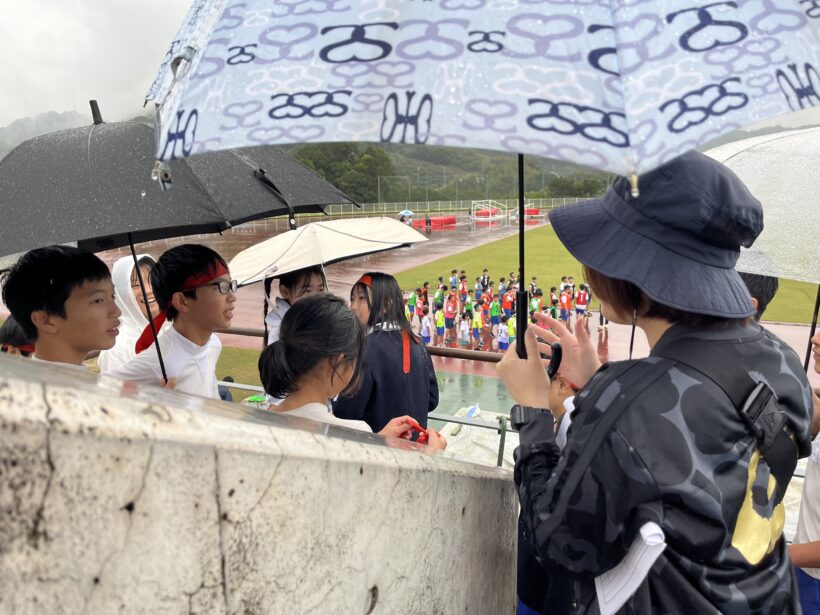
(502, 427)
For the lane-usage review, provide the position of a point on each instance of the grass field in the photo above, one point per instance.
(548, 260)
(241, 363)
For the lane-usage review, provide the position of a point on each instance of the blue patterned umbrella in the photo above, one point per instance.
(617, 85)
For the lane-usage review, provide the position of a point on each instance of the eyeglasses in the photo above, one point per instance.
(225, 286)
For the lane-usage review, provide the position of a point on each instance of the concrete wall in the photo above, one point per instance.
(116, 499)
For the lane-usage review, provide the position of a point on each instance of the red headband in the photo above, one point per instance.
(213, 271)
(366, 280)
(29, 348)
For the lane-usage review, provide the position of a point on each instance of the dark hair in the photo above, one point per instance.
(552, 288)
(425, 310)
(762, 288)
(426, 284)
(316, 328)
(384, 298)
(291, 280)
(625, 296)
(418, 290)
(228, 379)
(43, 279)
(146, 262)
(504, 318)
(12, 334)
(175, 266)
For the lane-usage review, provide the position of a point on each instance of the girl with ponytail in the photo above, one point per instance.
(397, 373)
(317, 357)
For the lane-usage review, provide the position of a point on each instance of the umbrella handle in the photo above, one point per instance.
(521, 297)
(522, 315)
(147, 306)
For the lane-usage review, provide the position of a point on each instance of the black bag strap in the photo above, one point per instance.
(755, 402)
(634, 379)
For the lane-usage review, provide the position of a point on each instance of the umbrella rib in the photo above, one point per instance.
(338, 232)
(785, 135)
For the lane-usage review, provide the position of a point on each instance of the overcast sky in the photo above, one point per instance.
(56, 55)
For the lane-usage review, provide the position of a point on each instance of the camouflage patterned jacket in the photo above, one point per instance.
(680, 456)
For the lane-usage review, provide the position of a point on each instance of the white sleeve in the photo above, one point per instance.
(144, 368)
(561, 434)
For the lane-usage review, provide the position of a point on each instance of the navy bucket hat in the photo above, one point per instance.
(678, 241)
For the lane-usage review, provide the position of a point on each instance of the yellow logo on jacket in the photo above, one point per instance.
(759, 523)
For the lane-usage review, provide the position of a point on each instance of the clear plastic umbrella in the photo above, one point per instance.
(781, 170)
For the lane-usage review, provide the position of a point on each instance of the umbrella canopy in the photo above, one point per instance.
(620, 86)
(781, 170)
(93, 185)
(406, 212)
(320, 243)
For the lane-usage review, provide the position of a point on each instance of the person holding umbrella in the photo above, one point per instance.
(195, 293)
(134, 307)
(397, 373)
(692, 447)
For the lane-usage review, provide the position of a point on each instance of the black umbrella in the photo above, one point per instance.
(93, 185)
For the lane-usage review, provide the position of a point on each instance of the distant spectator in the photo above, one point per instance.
(224, 392)
(762, 288)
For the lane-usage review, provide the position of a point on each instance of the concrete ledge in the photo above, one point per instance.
(115, 498)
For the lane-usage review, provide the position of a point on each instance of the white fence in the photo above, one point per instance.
(419, 209)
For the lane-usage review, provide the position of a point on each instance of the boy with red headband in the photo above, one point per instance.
(194, 291)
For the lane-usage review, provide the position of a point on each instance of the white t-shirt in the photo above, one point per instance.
(808, 523)
(464, 330)
(320, 412)
(425, 326)
(69, 365)
(563, 428)
(503, 333)
(193, 366)
(276, 312)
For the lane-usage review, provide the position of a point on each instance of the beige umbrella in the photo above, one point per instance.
(320, 243)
